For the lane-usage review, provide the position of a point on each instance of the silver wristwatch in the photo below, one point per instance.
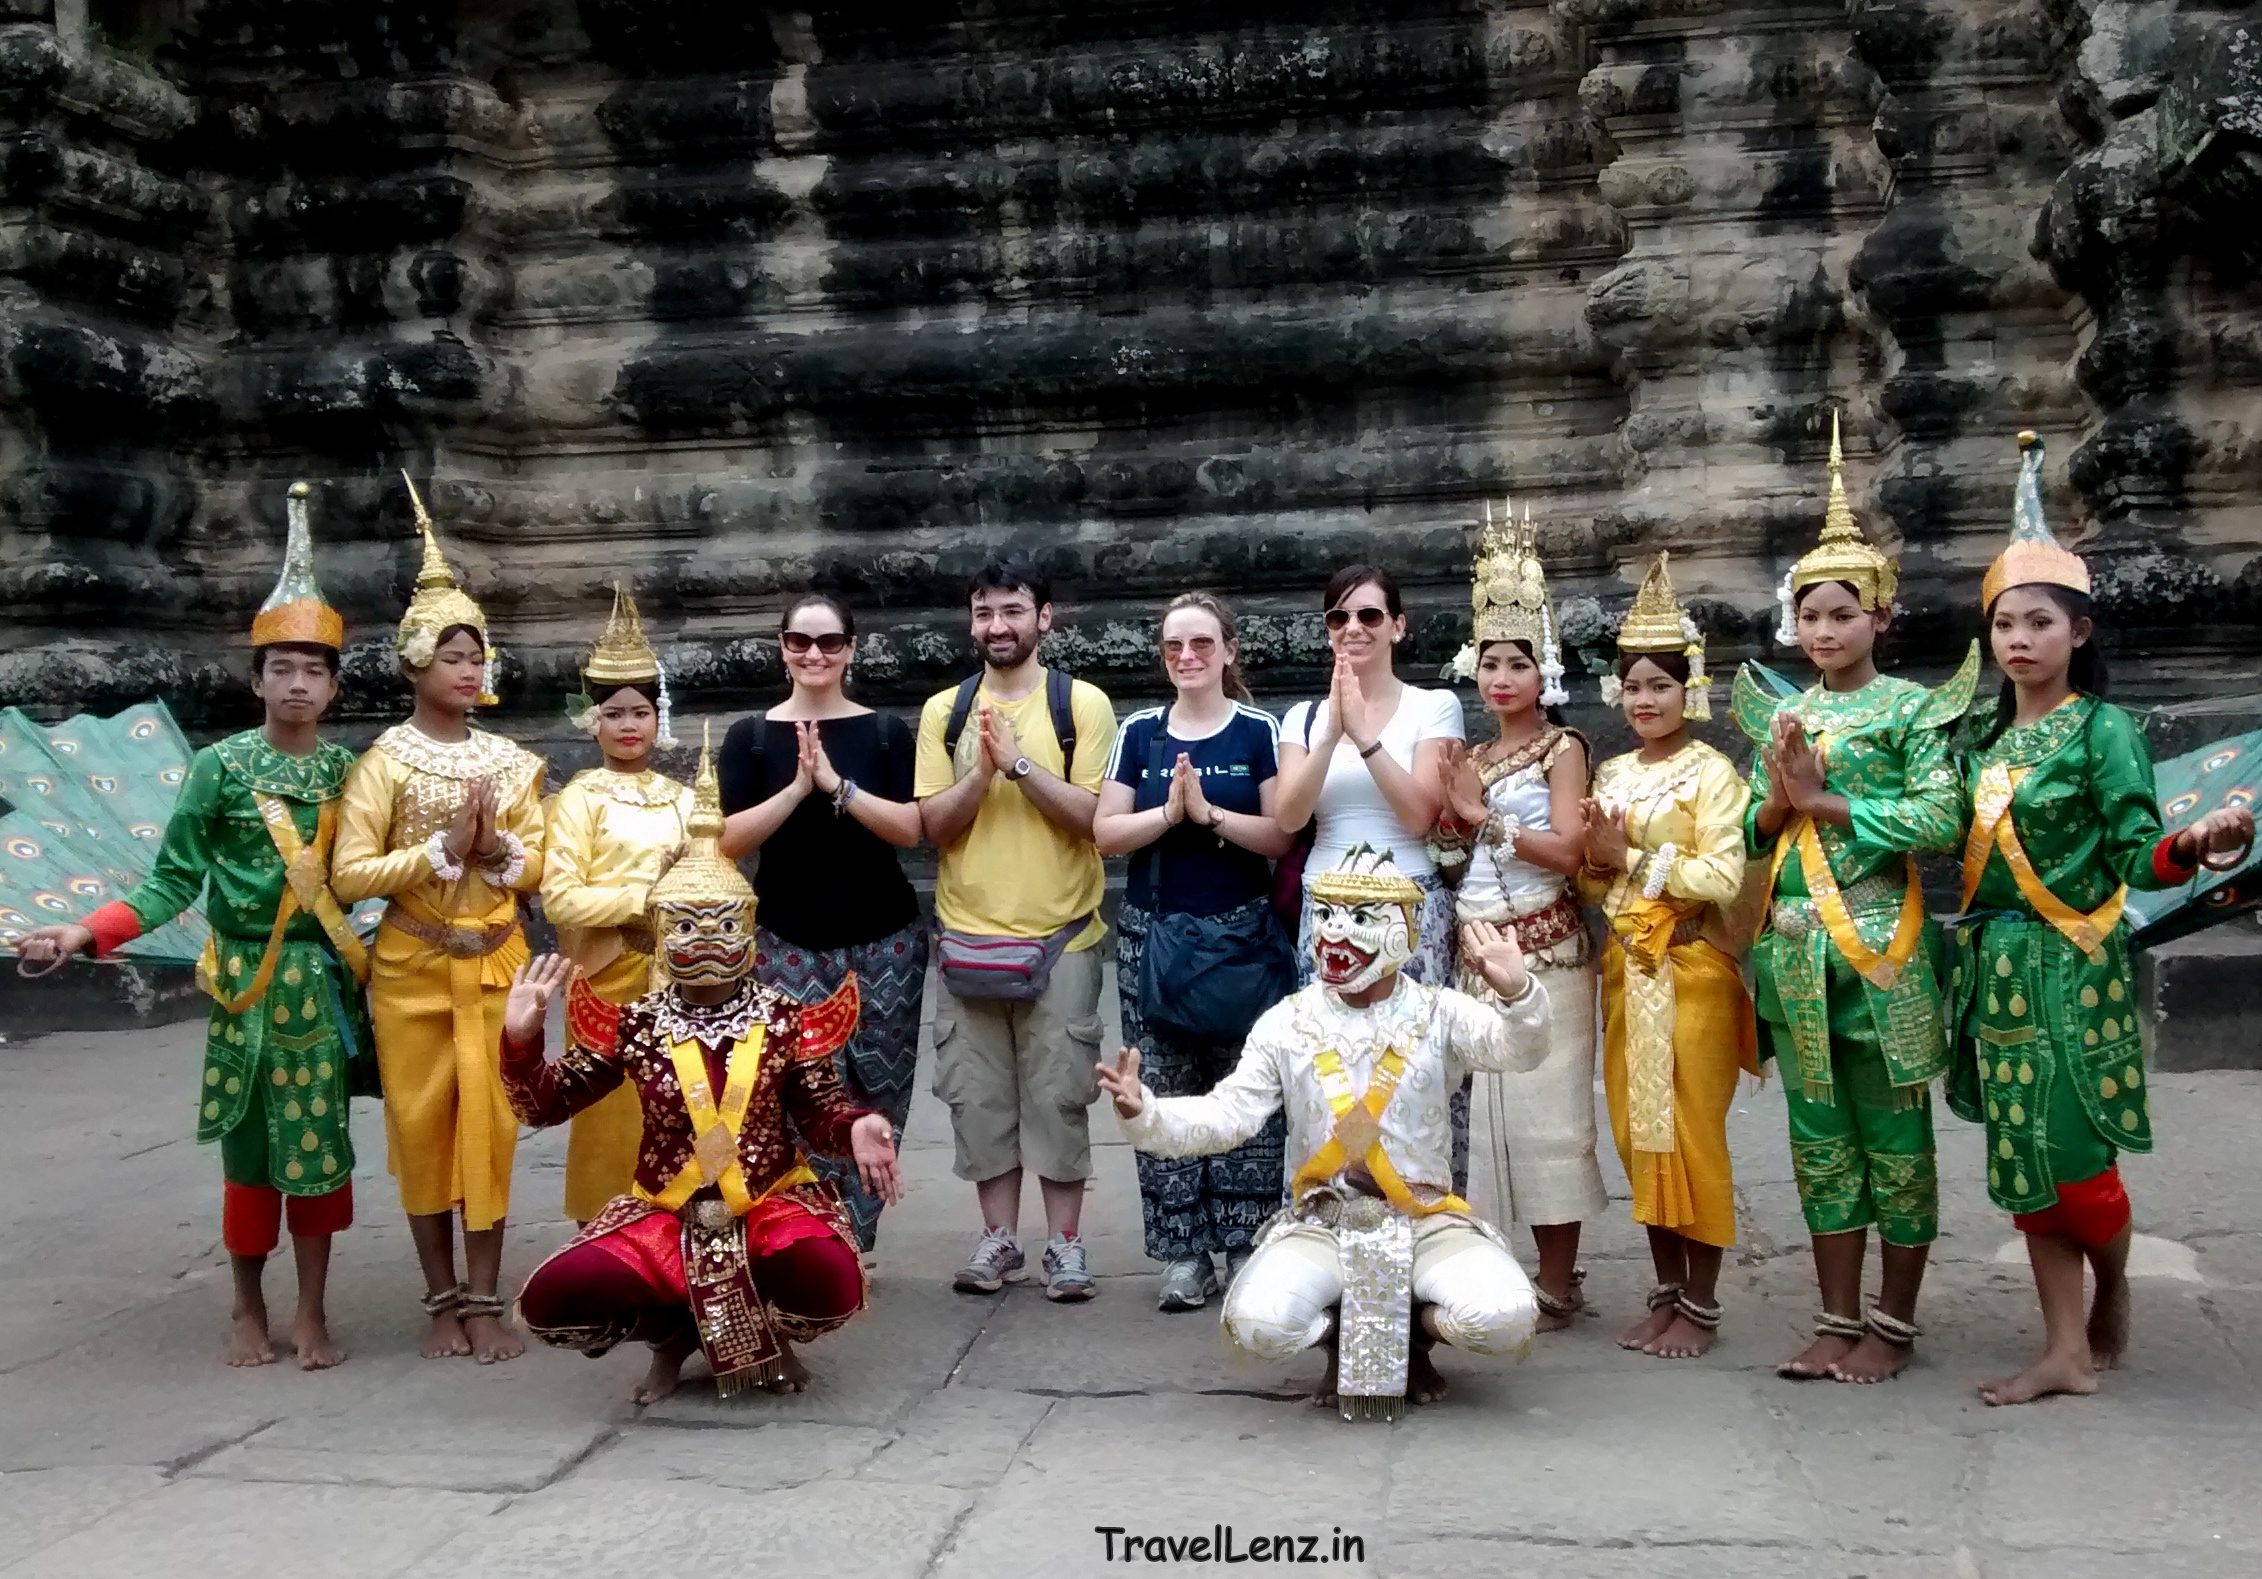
(1020, 770)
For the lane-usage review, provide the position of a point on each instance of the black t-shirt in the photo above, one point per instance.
(824, 880)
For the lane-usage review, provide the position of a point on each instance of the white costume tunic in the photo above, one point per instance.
(1280, 1302)
(1541, 1121)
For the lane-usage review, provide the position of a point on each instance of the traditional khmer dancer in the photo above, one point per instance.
(252, 833)
(1664, 855)
(2064, 822)
(727, 1241)
(1850, 779)
(445, 823)
(1533, 1135)
(1374, 1255)
(612, 831)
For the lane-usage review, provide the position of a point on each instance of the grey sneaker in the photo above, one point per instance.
(1068, 1273)
(996, 1261)
(1235, 1260)
(1187, 1284)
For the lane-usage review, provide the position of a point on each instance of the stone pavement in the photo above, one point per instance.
(954, 1436)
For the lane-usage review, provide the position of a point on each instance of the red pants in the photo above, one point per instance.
(635, 1274)
(2091, 1212)
(251, 1216)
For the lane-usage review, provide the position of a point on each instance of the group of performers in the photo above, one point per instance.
(701, 1096)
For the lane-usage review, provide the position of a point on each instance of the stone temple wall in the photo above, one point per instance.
(731, 300)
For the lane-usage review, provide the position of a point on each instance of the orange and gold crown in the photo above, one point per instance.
(2034, 557)
(1844, 554)
(296, 610)
(622, 656)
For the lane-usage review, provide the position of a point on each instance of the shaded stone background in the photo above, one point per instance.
(733, 299)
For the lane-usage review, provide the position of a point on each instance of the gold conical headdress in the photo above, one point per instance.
(2034, 555)
(704, 876)
(622, 656)
(1508, 601)
(1658, 623)
(296, 611)
(438, 601)
(1844, 554)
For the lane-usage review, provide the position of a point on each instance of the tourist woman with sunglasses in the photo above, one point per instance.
(821, 785)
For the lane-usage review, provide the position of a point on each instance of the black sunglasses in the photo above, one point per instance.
(1369, 616)
(832, 643)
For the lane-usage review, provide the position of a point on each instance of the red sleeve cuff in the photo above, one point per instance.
(114, 926)
(2166, 867)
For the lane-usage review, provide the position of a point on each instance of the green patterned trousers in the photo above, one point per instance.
(1867, 1157)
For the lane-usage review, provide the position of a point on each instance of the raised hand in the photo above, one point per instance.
(533, 986)
(1352, 704)
(1120, 1080)
(485, 842)
(1464, 787)
(1799, 765)
(463, 829)
(820, 765)
(999, 743)
(1498, 956)
(1174, 803)
(871, 1144)
(1605, 836)
(47, 947)
(804, 761)
(1328, 727)
(1195, 806)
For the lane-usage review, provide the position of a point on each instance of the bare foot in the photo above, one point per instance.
(795, 1378)
(1813, 1362)
(665, 1374)
(1682, 1339)
(1324, 1394)
(317, 1350)
(492, 1341)
(1873, 1360)
(1423, 1384)
(446, 1340)
(1570, 1302)
(1646, 1331)
(248, 1343)
(2108, 1325)
(2053, 1373)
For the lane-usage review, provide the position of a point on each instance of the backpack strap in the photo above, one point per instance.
(1060, 699)
(1153, 853)
(961, 706)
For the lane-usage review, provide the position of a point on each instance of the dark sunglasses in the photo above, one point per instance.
(832, 644)
(1369, 616)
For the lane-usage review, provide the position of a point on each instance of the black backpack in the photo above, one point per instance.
(1057, 688)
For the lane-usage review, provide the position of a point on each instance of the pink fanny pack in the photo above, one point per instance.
(978, 965)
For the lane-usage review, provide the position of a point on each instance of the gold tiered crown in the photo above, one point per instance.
(2034, 556)
(622, 656)
(704, 876)
(1367, 876)
(1507, 584)
(1656, 622)
(438, 601)
(296, 611)
(1844, 554)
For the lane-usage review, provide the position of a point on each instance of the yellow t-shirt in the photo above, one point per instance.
(1015, 873)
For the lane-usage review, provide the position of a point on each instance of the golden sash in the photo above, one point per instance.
(1358, 1134)
(715, 1158)
(1993, 828)
(306, 873)
(1879, 970)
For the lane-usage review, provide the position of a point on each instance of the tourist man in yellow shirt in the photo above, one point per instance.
(1008, 778)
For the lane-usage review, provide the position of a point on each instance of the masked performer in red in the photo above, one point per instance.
(727, 1241)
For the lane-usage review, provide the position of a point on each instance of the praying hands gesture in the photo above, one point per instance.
(535, 984)
(871, 1144)
(1498, 957)
(1120, 1080)
(1793, 765)
(1186, 794)
(1605, 836)
(1000, 748)
(811, 763)
(1349, 710)
(472, 834)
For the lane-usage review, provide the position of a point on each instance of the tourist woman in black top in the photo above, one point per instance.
(822, 786)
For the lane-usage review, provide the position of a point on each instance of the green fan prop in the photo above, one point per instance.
(2223, 774)
(87, 802)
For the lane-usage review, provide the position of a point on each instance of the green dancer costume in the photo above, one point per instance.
(1859, 1051)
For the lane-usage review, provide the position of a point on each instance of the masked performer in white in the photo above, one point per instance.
(1374, 1255)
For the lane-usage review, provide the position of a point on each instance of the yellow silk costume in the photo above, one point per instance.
(609, 836)
(1677, 1022)
(443, 960)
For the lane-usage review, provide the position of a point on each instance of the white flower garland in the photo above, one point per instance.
(1551, 692)
(436, 851)
(508, 864)
(1660, 870)
(1786, 621)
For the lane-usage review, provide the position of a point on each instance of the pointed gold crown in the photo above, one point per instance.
(1844, 554)
(704, 876)
(1507, 584)
(622, 656)
(2034, 555)
(296, 610)
(437, 602)
(1656, 622)
(1366, 876)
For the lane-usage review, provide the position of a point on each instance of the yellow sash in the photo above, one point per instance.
(714, 1154)
(306, 872)
(1879, 970)
(1358, 1134)
(1992, 827)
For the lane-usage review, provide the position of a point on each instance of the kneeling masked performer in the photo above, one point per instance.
(727, 1241)
(1374, 1255)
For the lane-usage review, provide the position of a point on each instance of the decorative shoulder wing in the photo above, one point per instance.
(1948, 702)
(827, 1026)
(1759, 694)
